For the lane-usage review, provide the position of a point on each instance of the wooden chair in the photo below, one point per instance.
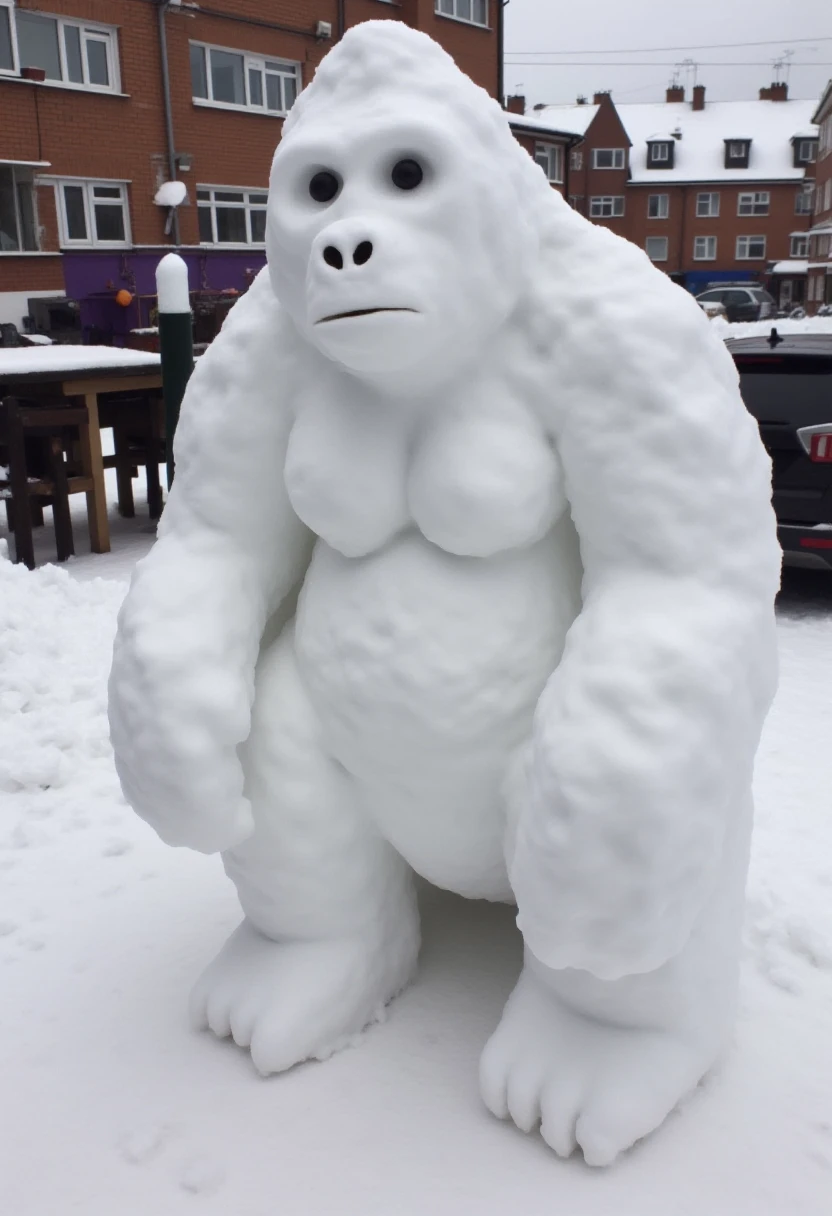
(33, 443)
(138, 423)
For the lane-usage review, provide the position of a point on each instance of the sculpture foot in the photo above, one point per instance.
(297, 1000)
(589, 1085)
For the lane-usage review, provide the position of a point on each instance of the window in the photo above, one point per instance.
(235, 79)
(606, 205)
(72, 52)
(737, 153)
(93, 213)
(550, 159)
(807, 150)
(660, 155)
(18, 227)
(474, 11)
(608, 158)
(754, 204)
(804, 199)
(7, 60)
(656, 247)
(750, 247)
(576, 160)
(231, 216)
(658, 206)
(576, 202)
(707, 205)
(799, 247)
(704, 248)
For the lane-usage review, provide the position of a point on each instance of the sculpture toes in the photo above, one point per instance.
(560, 1109)
(523, 1096)
(618, 1115)
(494, 1069)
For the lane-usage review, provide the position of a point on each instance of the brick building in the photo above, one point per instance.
(713, 191)
(86, 139)
(820, 237)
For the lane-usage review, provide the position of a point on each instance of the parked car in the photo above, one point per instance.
(741, 302)
(786, 383)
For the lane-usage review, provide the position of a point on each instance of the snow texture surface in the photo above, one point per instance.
(171, 194)
(489, 626)
(117, 1108)
(16, 360)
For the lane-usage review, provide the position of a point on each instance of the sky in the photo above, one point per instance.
(592, 30)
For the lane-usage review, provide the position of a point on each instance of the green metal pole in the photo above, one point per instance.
(175, 341)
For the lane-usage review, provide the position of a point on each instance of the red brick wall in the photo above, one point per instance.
(528, 143)
(683, 225)
(605, 131)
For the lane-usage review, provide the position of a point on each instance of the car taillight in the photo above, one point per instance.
(817, 443)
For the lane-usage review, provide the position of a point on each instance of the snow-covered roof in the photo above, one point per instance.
(791, 266)
(572, 119)
(700, 151)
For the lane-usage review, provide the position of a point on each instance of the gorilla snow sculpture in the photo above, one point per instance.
(468, 570)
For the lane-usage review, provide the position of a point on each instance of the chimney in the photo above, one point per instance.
(598, 99)
(516, 104)
(777, 91)
(699, 97)
(675, 92)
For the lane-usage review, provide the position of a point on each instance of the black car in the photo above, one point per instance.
(740, 301)
(786, 383)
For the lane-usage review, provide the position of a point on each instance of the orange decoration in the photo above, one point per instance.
(124, 298)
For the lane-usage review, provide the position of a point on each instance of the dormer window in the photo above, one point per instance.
(737, 153)
(660, 153)
(805, 151)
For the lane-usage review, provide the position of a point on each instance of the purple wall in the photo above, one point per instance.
(94, 277)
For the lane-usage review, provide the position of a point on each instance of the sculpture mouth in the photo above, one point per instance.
(361, 312)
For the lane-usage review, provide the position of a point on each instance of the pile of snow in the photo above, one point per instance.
(20, 360)
(761, 329)
(119, 1107)
(171, 194)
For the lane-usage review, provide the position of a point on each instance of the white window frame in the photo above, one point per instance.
(738, 149)
(247, 206)
(89, 31)
(91, 240)
(653, 148)
(807, 151)
(29, 181)
(808, 193)
(618, 158)
(755, 202)
(14, 70)
(576, 160)
(452, 9)
(599, 203)
(709, 210)
(709, 243)
(550, 159)
(803, 241)
(657, 257)
(251, 63)
(662, 206)
(744, 243)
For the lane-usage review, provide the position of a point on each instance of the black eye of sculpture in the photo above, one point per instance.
(407, 174)
(324, 186)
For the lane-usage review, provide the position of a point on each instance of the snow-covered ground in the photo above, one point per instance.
(111, 1106)
(761, 329)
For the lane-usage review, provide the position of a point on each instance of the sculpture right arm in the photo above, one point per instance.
(230, 550)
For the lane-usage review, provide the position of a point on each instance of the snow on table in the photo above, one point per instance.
(761, 329)
(113, 1106)
(21, 360)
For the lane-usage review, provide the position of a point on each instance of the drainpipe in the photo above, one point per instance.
(342, 18)
(161, 12)
(501, 86)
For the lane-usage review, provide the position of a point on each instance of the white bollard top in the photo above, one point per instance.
(172, 284)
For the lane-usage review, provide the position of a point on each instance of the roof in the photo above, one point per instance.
(700, 151)
(519, 122)
(574, 119)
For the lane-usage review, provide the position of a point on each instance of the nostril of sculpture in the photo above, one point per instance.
(333, 257)
(363, 253)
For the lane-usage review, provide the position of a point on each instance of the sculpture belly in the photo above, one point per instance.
(425, 669)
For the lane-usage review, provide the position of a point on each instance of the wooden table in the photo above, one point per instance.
(86, 379)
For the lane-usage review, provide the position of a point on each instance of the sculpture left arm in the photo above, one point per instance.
(645, 735)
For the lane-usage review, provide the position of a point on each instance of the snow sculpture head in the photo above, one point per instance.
(396, 231)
